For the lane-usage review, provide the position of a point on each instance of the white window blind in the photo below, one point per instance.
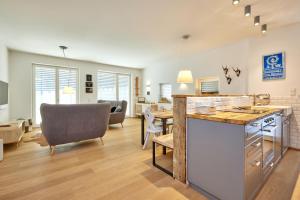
(67, 86)
(114, 86)
(54, 85)
(45, 88)
(166, 91)
(210, 86)
(106, 83)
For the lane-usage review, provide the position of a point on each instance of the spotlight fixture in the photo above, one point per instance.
(264, 28)
(235, 2)
(256, 20)
(247, 10)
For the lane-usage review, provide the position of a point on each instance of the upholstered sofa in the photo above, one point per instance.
(63, 124)
(116, 116)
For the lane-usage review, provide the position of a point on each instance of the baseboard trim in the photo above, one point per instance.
(293, 148)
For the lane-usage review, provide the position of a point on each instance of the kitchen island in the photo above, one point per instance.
(227, 155)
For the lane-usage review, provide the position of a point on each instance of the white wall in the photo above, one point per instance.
(202, 64)
(20, 66)
(246, 55)
(4, 110)
(284, 39)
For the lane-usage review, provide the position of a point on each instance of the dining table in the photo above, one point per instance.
(161, 115)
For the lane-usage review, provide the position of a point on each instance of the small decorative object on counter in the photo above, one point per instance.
(141, 99)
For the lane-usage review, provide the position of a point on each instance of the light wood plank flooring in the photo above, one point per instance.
(118, 170)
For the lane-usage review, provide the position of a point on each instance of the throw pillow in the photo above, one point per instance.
(118, 109)
(113, 109)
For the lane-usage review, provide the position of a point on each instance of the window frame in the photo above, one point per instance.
(56, 67)
(160, 91)
(117, 86)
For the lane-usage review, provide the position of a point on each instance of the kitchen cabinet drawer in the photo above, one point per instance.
(253, 128)
(254, 147)
(254, 174)
(253, 138)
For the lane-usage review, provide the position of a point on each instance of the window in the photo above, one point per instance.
(107, 88)
(209, 85)
(166, 91)
(54, 85)
(114, 86)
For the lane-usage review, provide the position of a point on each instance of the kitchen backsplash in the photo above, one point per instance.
(295, 118)
(219, 102)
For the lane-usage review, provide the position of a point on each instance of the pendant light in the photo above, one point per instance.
(185, 76)
(67, 89)
(256, 20)
(247, 10)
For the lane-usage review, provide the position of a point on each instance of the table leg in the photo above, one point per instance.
(142, 129)
(164, 122)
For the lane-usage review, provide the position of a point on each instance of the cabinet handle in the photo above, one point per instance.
(257, 144)
(255, 124)
(256, 164)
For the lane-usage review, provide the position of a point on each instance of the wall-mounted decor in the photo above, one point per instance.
(225, 69)
(228, 79)
(237, 71)
(274, 66)
(88, 90)
(88, 84)
(136, 86)
(89, 77)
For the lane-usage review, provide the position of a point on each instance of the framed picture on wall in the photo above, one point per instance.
(274, 66)
(88, 90)
(88, 84)
(89, 77)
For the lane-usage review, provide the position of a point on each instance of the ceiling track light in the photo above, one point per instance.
(235, 2)
(248, 10)
(256, 20)
(264, 28)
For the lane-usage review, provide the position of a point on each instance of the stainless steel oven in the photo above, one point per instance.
(271, 131)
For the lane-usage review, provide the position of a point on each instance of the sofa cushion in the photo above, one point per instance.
(118, 109)
(113, 109)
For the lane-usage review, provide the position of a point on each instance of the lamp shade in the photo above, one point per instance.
(185, 76)
(68, 90)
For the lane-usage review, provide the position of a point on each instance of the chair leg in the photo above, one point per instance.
(153, 154)
(146, 140)
(52, 150)
(122, 125)
(101, 140)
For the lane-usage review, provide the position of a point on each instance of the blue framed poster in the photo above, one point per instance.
(274, 66)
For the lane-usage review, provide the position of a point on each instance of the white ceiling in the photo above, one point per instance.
(134, 33)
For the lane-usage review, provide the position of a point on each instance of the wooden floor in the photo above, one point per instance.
(118, 170)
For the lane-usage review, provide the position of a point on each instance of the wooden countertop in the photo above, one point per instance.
(206, 95)
(233, 117)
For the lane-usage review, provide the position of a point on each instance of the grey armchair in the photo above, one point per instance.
(63, 124)
(119, 116)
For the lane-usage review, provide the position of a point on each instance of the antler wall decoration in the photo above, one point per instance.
(226, 70)
(228, 78)
(237, 71)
